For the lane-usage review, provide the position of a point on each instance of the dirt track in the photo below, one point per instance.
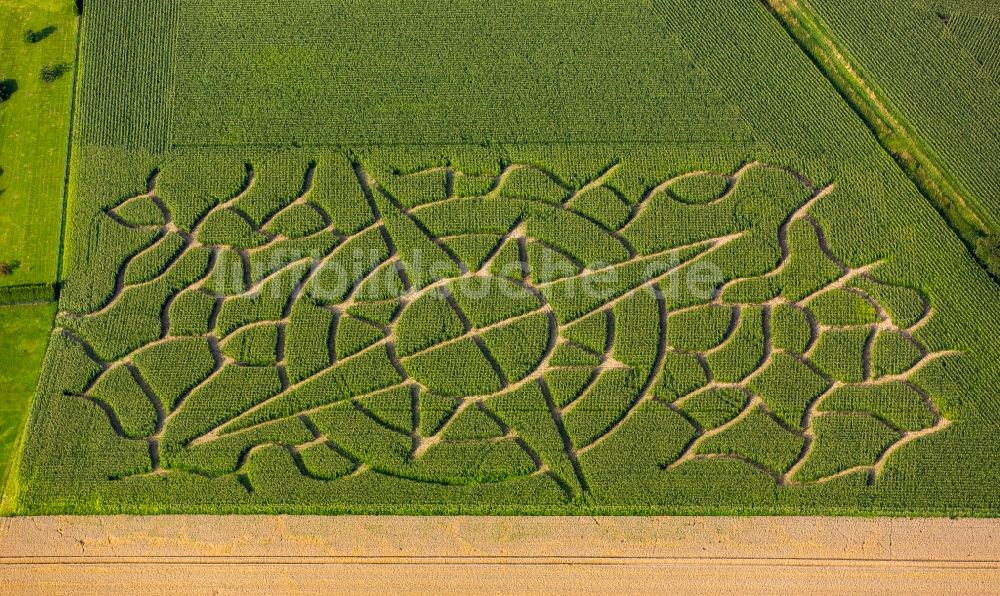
(201, 554)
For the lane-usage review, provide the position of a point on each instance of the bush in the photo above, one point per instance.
(988, 250)
(9, 267)
(54, 72)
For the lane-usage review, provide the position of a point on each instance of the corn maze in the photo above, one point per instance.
(512, 342)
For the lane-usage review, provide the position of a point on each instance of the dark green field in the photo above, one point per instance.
(517, 258)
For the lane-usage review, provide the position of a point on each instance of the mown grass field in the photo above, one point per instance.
(495, 260)
(34, 128)
(25, 334)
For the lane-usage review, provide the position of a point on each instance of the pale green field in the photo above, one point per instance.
(24, 333)
(34, 128)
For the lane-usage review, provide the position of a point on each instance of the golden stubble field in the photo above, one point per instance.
(281, 554)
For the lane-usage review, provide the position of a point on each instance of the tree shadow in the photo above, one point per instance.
(7, 88)
(35, 36)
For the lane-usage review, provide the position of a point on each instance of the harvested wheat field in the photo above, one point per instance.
(198, 554)
(499, 258)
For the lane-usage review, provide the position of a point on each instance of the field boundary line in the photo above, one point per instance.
(897, 139)
(74, 101)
